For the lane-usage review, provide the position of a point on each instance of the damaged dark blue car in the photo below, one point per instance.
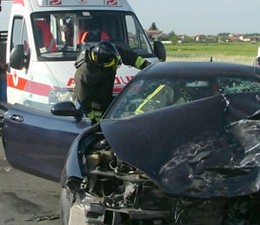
(179, 145)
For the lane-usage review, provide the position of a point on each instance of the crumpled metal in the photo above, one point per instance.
(203, 149)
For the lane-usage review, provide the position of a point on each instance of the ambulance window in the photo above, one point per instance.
(44, 38)
(19, 33)
(101, 26)
(113, 25)
(136, 36)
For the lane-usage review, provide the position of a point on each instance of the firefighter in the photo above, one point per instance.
(95, 77)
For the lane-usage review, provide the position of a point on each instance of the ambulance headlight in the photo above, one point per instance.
(60, 95)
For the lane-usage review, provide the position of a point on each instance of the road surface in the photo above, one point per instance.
(26, 199)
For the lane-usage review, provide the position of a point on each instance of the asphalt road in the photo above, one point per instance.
(26, 199)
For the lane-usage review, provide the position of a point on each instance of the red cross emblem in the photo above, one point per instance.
(111, 2)
(55, 2)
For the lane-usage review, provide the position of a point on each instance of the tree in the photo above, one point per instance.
(153, 27)
(173, 37)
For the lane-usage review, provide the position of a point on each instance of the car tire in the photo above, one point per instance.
(66, 200)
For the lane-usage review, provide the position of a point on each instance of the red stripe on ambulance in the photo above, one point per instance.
(29, 86)
(119, 80)
(18, 2)
(33, 87)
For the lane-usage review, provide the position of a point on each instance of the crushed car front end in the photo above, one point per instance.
(158, 161)
(105, 188)
(110, 191)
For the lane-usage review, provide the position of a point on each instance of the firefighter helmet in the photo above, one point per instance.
(105, 55)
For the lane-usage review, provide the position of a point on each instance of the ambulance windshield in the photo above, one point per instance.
(61, 35)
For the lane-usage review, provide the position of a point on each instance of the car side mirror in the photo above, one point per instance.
(18, 60)
(66, 108)
(159, 50)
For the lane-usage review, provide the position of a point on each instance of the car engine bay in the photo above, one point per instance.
(114, 192)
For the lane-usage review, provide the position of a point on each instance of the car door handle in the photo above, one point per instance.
(16, 118)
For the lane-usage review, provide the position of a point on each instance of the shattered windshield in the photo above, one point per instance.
(61, 35)
(149, 94)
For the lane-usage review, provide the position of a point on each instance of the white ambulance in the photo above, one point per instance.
(44, 40)
(46, 36)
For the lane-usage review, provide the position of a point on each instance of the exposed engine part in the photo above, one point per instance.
(114, 192)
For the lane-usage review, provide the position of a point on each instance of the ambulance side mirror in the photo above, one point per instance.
(18, 60)
(159, 50)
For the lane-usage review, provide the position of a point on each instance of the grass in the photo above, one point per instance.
(230, 52)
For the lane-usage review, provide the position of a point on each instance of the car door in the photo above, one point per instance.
(37, 142)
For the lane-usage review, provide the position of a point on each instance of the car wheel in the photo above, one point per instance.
(66, 199)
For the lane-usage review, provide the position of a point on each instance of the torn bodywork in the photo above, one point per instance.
(159, 168)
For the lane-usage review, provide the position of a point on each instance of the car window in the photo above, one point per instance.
(146, 95)
(230, 85)
(154, 95)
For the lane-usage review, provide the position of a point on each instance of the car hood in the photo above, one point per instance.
(191, 150)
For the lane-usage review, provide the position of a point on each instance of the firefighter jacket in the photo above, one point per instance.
(94, 84)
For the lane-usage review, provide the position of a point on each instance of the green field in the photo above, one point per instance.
(229, 52)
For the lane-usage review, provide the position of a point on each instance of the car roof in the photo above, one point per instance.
(201, 69)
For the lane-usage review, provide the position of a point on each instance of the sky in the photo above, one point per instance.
(193, 17)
